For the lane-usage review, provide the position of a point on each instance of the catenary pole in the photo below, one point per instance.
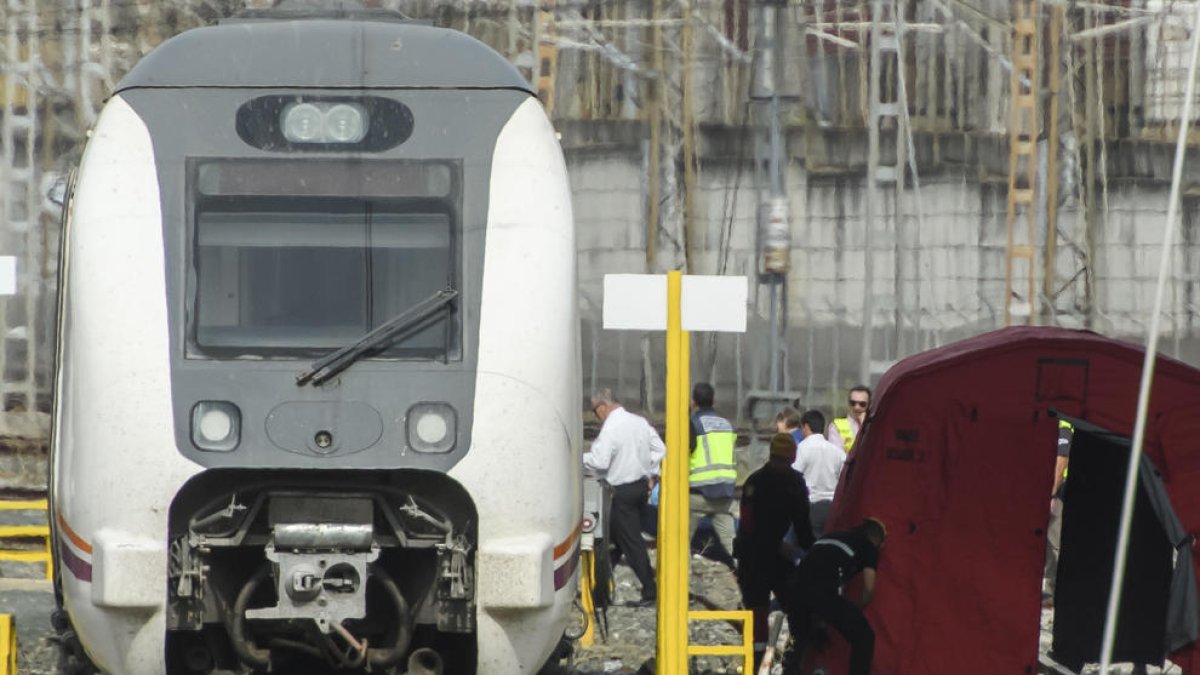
(1139, 425)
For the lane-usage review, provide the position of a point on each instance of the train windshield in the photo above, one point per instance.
(290, 275)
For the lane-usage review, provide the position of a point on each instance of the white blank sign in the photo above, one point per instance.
(8, 275)
(709, 303)
(714, 303)
(635, 301)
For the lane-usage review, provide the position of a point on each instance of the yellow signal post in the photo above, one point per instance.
(672, 503)
(702, 303)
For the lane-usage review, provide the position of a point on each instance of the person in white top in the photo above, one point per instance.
(821, 463)
(627, 453)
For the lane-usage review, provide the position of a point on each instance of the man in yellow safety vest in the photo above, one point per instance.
(843, 430)
(1066, 433)
(712, 471)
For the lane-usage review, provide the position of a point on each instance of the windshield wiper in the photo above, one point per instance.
(334, 363)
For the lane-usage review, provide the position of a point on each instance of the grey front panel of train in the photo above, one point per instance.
(453, 128)
(324, 54)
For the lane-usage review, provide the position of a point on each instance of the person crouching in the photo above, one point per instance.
(814, 591)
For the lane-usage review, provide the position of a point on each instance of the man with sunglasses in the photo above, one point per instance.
(627, 453)
(843, 430)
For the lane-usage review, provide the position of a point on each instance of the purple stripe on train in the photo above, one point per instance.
(564, 572)
(81, 568)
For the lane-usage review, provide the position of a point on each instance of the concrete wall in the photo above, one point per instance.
(951, 284)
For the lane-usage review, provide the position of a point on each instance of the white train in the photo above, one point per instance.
(317, 399)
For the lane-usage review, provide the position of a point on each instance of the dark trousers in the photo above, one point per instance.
(809, 601)
(625, 528)
(758, 577)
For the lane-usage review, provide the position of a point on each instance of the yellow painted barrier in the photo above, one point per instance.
(745, 650)
(27, 532)
(8, 645)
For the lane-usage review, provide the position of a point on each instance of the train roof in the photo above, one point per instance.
(376, 53)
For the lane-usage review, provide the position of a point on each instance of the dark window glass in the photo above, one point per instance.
(299, 277)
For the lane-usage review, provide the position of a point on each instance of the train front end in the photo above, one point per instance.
(318, 391)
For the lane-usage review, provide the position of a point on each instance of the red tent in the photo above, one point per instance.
(957, 459)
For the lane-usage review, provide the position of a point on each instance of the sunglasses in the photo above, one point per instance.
(858, 404)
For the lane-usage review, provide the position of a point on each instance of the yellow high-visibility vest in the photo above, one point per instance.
(712, 461)
(845, 431)
(1063, 424)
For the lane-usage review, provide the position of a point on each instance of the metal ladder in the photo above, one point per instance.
(21, 199)
(1020, 299)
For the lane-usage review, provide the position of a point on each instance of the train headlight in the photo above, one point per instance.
(303, 123)
(344, 123)
(216, 426)
(432, 427)
(324, 122)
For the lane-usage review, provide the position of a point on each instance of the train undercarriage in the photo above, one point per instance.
(277, 572)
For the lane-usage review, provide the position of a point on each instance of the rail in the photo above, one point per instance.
(11, 533)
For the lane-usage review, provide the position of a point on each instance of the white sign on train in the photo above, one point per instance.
(707, 303)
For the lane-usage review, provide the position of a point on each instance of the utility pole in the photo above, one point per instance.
(886, 29)
(774, 213)
(687, 121)
(1088, 140)
(1049, 281)
(656, 91)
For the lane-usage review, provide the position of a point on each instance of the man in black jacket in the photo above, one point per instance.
(774, 500)
(814, 591)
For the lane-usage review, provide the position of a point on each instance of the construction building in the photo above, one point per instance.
(890, 175)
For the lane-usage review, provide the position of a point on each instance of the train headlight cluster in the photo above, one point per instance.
(432, 427)
(216, 426)
(324, 122)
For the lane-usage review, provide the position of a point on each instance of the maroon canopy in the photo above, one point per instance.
(957, 459)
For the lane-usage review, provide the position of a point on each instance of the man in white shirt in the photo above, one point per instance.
(627, 453)
(821, 463)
